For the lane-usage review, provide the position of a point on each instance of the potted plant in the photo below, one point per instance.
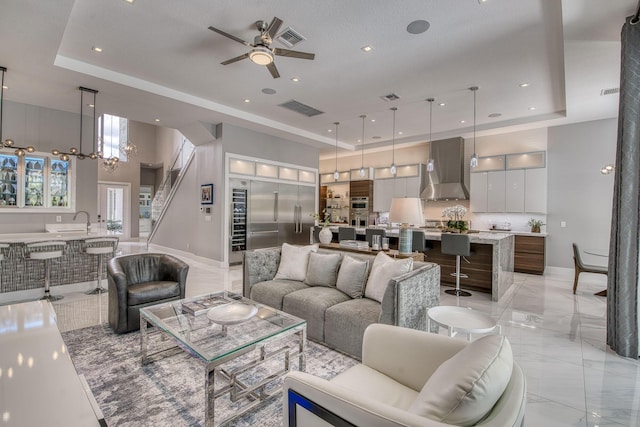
(455, 218)
(535, 225)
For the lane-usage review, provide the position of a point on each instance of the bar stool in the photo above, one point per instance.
(346, 233)
(458, 245)
(46, 251)
(100, 246)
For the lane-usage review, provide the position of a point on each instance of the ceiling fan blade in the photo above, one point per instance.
(236, 59)
(232, 37)
(293, 53)
(274, 26)
(273, 70)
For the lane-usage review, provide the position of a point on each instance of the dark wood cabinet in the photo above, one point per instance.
(362, 188)
(529, 256)
(479, 269)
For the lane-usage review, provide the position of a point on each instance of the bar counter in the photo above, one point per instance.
(18, 273)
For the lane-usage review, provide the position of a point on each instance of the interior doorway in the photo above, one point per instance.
(114, 208)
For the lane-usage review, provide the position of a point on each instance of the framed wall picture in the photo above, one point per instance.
(206, 194)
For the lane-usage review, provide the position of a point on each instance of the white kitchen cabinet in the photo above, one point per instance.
(478, 197)
(383, 191)
(496, 197)
(514, 190)
(536, 190)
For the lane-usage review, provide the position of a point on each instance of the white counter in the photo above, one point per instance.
(36, 237)
(40, 384)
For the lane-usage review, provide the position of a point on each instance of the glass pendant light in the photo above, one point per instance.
(474, 157)
(430, 163)
(336, 174)
(362, 171)
(393, 168)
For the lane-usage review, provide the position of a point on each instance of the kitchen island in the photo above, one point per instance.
(490, 267)
(24, 277)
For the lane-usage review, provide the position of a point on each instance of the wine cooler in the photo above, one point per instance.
(238, 225)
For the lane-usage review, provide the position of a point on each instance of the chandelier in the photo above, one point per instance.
(109, 164)
(9, 143)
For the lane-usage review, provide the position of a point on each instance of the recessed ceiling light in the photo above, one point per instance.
(295, 79)
(442, 104)
(90, 105)
(418, 26)
(247, 100)
(329, 130)
(130, 1)
(359, 140)
(367, 48)
(400, 133)
(482, 1)
(268, 91)
(532, 108)
(96, 49)
(373, 120)
(523, 84)
(462, 121)
(494, 115)
(157, 120)
(5, 87)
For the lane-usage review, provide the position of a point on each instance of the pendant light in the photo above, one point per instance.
(362, 171)
(10, 143)
(393, 168)
(430, 163)
(336, 174)
(474, 157)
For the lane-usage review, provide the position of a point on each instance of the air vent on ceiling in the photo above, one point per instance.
(609, 91)
(290, 37)
(390, 97)
(301, 108)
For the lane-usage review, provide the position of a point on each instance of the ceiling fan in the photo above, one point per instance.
(261, 52)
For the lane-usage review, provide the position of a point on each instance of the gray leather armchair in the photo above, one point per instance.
(140, 280)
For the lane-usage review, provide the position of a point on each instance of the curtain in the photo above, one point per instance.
(622, 281)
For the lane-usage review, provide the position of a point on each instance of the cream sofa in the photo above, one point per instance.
(481, 386)
(336, 317)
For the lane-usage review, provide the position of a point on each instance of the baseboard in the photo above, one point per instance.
(558, 272)
(190, 255)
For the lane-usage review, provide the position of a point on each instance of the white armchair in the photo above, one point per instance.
(396, 364)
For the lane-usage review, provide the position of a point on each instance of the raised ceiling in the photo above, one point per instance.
(159, 61)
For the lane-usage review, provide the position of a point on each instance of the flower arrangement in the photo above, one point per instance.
(455, 217)
(325, 222)
(535, 225)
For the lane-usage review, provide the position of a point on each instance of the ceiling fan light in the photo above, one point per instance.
(261, 55)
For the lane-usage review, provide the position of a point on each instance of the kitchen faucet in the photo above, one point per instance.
(88, 221)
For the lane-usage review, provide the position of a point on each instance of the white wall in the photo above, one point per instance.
(577, 192)
(46, 129)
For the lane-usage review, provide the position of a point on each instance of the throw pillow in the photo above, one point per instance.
(294, 261)
(322, 269)
(352, 276)
(385, 268)
(465, 388)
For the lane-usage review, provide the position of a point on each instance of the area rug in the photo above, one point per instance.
(169, 391)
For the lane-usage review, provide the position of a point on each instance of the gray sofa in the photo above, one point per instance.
(333, 317)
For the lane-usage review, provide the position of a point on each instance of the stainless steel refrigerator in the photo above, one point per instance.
(275, 213)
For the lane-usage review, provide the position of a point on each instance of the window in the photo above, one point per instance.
(114, 134)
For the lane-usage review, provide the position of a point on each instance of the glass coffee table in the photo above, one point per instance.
(221, 330)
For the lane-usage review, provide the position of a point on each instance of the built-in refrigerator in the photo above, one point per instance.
(270, 214)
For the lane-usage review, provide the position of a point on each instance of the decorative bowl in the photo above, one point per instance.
(232, 314)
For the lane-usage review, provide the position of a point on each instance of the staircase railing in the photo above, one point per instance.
(174, 175)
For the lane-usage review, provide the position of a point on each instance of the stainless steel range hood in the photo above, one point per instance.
(446, 182)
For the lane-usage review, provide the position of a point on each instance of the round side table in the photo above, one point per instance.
(461, 320)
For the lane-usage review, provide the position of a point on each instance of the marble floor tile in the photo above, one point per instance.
(558, 338)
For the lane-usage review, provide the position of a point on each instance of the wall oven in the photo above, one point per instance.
(359, 218)
(360, 203)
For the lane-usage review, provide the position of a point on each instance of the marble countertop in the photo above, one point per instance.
(36, 237)
(481, 237)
